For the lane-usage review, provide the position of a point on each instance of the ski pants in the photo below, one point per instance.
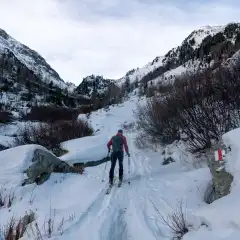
(114, 157)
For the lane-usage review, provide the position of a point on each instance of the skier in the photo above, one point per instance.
(117, 142)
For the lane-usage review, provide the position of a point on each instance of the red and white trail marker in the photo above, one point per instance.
(219, 155)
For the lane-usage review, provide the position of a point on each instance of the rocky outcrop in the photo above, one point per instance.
(44, 163)
(221, 179)
(3, 147)
(168, 160)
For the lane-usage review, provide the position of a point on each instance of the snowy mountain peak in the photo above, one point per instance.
(202, 48)
(197, 36)
(3, 34)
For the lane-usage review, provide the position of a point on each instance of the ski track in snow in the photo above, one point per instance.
(122, 215)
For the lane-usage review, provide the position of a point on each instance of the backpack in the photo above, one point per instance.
(117, 143)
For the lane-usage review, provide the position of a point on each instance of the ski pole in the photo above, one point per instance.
(105, 168)
(129, 170)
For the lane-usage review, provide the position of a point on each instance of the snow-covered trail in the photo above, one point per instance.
(126, 213)
(114, 216)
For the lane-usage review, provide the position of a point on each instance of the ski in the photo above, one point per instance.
(110, 186)
(109, 190)
(119, 183)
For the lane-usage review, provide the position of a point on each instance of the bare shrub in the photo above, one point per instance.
(86, 109)
(10, 197)
(142, 141)
(154, 120)
(50, 227)
(15, 229)
(5, 116)
(49, 224)
(201, 107)
(52, 134)
(51, 114)
(6, 197)
(128, 126)
(176, 221)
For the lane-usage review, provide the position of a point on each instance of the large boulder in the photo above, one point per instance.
(221, 179)
(44, 163)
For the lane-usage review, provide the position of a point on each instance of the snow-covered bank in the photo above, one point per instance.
(222, 216)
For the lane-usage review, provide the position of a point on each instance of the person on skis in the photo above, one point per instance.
(117, 142)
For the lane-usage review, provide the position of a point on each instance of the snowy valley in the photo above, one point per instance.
(77, 204)
(175, 113)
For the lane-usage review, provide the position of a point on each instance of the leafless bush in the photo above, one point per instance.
(6, 197)
(142, 141)
(128, 126)
(50, 227)
(202, 107)
(153, 119)
(61, 227)
(49, 224)
(176, 221)
(5, 116)
(15, 229)
(10, 197)
(36, 232)
(51, 114)
(52, 134)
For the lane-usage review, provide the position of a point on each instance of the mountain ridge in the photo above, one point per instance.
(192, 48)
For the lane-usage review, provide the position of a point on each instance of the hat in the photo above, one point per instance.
(120, 131)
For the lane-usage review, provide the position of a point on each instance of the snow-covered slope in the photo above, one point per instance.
(196, 37)
(80, 208)
(139, 73)
(31, 59)
(201, 49)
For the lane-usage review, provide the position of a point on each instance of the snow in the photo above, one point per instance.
(87, 149)
(189, 67)
(13, 162)
(28, 57)
(203, 32)
(197, 35)
(139, 73)
(5, 140)
(130, 211)
(231, 62)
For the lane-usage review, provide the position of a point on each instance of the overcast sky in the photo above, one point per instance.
(108, 37)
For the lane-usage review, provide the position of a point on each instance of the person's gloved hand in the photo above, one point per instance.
(109, 150)
(128, 154)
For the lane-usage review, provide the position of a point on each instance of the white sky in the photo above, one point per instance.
(107, 37)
